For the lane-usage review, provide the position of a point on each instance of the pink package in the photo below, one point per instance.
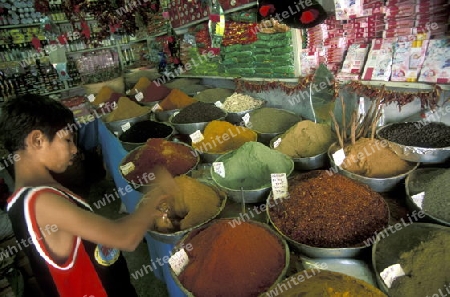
(379, 61)
(408, 60)
(354, 62)
(436, 66)
(348, 9)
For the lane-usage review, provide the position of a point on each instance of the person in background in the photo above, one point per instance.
(72, 251)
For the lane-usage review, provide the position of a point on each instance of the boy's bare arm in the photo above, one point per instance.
(124, 234)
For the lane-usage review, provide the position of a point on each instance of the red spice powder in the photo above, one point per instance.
(176, 157)
(225, 261)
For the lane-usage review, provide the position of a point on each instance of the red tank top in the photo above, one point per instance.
(90, 269)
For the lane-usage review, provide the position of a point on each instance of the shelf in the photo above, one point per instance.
(94, 49)
(39, 24)
(181, 30)
(259, 79)
(405, 85)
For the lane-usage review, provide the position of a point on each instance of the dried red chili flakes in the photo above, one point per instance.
(330, 211)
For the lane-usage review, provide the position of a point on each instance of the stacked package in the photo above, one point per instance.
(238, 60)
(184, 12)
(379, 60)
(436, 67)
(354, 62)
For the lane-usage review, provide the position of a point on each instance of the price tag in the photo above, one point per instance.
(156, 107)
(101, 105)
(126, 126)
(127, 168)
(219, 168)
(279, 185)
(246, 119)
(277, 143)
(178, 261)
(339, 157)
(197, 136)
(391, 273)
(418, 199)
(139, 96)
(91, 98)
(218, 104)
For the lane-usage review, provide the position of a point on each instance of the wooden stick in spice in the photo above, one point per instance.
(344, 127)
(353, 126)
(336, 127)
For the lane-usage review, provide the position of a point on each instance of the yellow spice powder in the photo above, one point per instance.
(126, 109)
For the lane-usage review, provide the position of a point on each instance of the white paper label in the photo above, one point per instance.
(178, 261)
(218, 104)
(156, 107)
(246, 119)
(114, 105)
(127, 168)
(391, 273)
(197, 136)
(339, 157)
(279, 185)
(139, 96)
(126, 126)
(277, 143)
(101, 105)
(219, 168)
(175, 113)
(418, 199)
(91, 98)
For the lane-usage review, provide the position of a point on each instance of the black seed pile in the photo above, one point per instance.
(197, 113)
(427, 135)
(141, 131)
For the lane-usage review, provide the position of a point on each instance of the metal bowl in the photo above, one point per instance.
(191, 234)
(247, 196)
(174, 238)
(319, 252)
(129, 146)
(145, 188)
(307, 163)
(412, 189)
(149, 104)
(415, 153)
(380, 185)
(209, 157)
(164, 115)
(394, 245)
(190, 128)
(236, 117)
(116, 126)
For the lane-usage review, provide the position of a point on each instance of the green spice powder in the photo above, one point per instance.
(272, 120)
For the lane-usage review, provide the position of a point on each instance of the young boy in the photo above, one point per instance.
(72, 251)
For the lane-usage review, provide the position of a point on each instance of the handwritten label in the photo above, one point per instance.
(178, 261)
(197, 136)
(91, 98)
(139, 96)
(391, 273)
(246, 119)
(277, 143)
(218, 104)
(156, 107)
(339, 157)
(279, 185)
(126, 126)
(219, 168)
(127, 168)
(418, 199)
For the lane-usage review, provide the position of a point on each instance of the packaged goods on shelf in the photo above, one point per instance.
(354, 62)
(379, 61)
(184, 12)
(436, 66)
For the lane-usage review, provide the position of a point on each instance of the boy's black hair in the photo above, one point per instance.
(23, 114)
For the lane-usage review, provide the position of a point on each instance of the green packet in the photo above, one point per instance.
(261, 50)
(239, 65)
(263, 70)
(282, 50)
(263, 58)
(239, 54)
(268, 64)
(287, 36)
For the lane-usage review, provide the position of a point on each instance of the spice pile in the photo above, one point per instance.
(213, 95)
(176, 157)
(155, 92)
(195, 204)
(220, 137)
(436, 202)
(373, 158)
(126, 109)
(315, 282)
(241, 262)
(103, 95)
(306, 139)
(431, 135)
(240, 102)
(140, 85)
(426, 268)
(329, 211)
(141, 131)
(176, 100)
(198, 112)
(272, 120)
(251, 165)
